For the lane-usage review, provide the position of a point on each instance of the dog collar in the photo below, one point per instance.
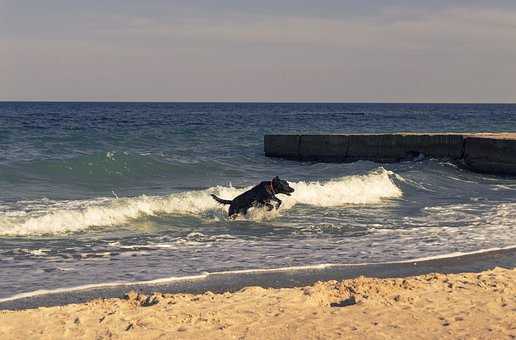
(270, 188)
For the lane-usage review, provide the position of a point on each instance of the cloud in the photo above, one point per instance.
(479, 28)
(398, 53)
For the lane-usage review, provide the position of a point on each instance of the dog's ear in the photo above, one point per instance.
(276, 178)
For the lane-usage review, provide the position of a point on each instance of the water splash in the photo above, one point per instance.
(70, 216)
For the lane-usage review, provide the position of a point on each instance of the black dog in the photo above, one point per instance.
(259, 196)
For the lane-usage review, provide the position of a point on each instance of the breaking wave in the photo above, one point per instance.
(50, 217)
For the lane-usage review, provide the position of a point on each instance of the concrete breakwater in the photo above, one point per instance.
(493, 153)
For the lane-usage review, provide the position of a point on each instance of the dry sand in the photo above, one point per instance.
(433, 306)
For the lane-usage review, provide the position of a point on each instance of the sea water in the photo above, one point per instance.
(120, 192)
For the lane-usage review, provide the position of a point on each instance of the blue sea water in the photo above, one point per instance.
(102, 192)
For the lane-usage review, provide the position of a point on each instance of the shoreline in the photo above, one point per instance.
(478, 305)
(229, 282)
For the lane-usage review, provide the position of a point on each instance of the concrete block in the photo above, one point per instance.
(490, 155)
(285, 146)
(484, 152)
(326, 148)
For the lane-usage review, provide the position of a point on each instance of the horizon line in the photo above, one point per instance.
(249, 101)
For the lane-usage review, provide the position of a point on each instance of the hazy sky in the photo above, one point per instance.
(326, 50)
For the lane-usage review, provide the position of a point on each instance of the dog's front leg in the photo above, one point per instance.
(274, 198)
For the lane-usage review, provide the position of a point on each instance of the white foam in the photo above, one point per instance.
(366, 189)
(50, 217)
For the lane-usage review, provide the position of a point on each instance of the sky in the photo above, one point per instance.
(239, 50)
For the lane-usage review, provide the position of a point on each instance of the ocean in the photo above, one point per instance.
(120, 192)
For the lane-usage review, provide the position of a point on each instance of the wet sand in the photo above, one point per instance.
(431, 306)
(221, 282)
(456, 297)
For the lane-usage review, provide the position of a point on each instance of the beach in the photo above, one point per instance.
(431, 306)
(265, 170)
(108, 228)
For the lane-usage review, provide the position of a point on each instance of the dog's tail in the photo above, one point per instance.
(220, 200)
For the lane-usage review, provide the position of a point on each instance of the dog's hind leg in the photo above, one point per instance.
(233, 212)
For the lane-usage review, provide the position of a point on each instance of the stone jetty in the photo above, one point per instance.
(493, 153)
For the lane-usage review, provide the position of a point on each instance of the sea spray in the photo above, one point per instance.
(70, 216)
(358, 189)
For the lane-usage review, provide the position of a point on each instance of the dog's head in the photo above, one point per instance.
(281, 186)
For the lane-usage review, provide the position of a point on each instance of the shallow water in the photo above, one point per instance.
(99, 192)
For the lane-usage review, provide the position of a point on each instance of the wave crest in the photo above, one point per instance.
(70, 216)
(366, 189)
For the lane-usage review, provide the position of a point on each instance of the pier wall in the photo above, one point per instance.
(493, 153)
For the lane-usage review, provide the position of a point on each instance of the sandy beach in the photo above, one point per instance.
(433, 306)
(264, 170)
